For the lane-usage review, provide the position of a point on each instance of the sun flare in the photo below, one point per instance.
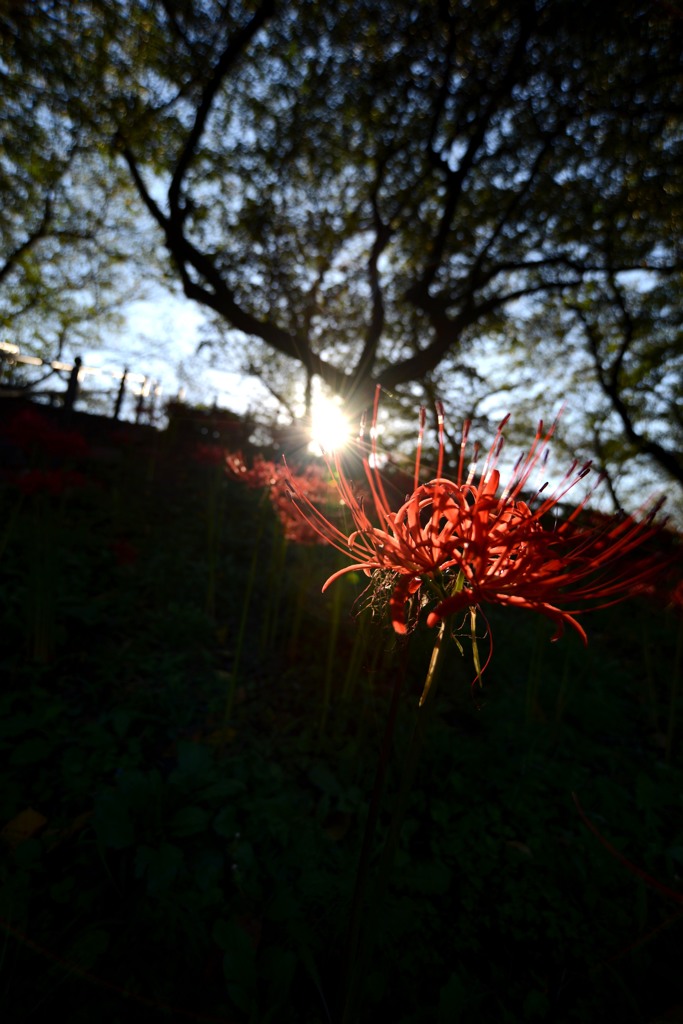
(330, 428)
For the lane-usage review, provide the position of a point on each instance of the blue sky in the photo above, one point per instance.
(159, 335)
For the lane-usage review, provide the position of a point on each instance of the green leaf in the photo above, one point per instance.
(159, 864)
(62, 892)
(15, 725)
(323, 779)
(188, 821)
(452, 999)
(207, 868)
(194, 761)
(112, 821)
(239, 962)
(225, 823)
(120, 720)
(29, 854)
(277, 968)
(31, 751)
(88, 948)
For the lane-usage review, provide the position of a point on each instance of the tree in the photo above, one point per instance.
(380, 190)
(69, 222)
(619, 375)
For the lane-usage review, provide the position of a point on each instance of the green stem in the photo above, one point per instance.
(422, 720)
(9, 526)
(561, 698)
(275, 577)
(246, 604)
(44, 586)
(358, 651)
(331, 658)
(532, 708)
(359, 899)
(671, 725)
(302, 599)
(651, 692)
(213, 537)
(360, 955)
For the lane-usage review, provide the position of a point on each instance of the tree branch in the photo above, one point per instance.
(40, 231)
(456, 179)
(609, 380)
(373, 334)
(231, 54)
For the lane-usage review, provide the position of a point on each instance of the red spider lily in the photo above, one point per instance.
(309, 481)
(261, 474)
(667, 590)
(31, 429)
(461, 543)
(208, 454)
(279, 481)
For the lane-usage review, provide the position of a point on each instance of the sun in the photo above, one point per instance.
(330, 428)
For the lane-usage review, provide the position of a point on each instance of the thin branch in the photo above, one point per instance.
(609, 380)
(456, 179)
(219, 297)
(514, 203)
(375, 329)
(255, 372)
(40, 231)
(231, 54)
(153, 208)
(443, 93)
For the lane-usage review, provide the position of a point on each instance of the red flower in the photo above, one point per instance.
(280, 483)
(311, 482)
(31, 429)
(261, 473)
(208, 454)
(460, 543)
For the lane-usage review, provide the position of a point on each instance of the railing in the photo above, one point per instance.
(145, 392)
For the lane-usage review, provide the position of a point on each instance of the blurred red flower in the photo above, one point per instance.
(261, 473)
(31, 429)
(208, 454)
(456, 544)
(280, 483)
(312, 482)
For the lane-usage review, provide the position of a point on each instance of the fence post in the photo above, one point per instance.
(140, 407)
(119, 396)
(71, 393)
(154, 398)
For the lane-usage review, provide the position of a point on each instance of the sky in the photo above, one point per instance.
(160, 335)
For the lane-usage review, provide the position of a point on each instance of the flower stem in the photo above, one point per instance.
(422, 719)
(246, 605)
(673, 701)
(213, 537)
(361, 943)
(361, 639)
(359, 899)
(331, 658)
(275, 577)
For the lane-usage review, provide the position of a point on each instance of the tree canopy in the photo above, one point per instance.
(70, 238)
(403, 192)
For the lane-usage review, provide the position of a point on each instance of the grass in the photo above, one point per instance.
(161, 864)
